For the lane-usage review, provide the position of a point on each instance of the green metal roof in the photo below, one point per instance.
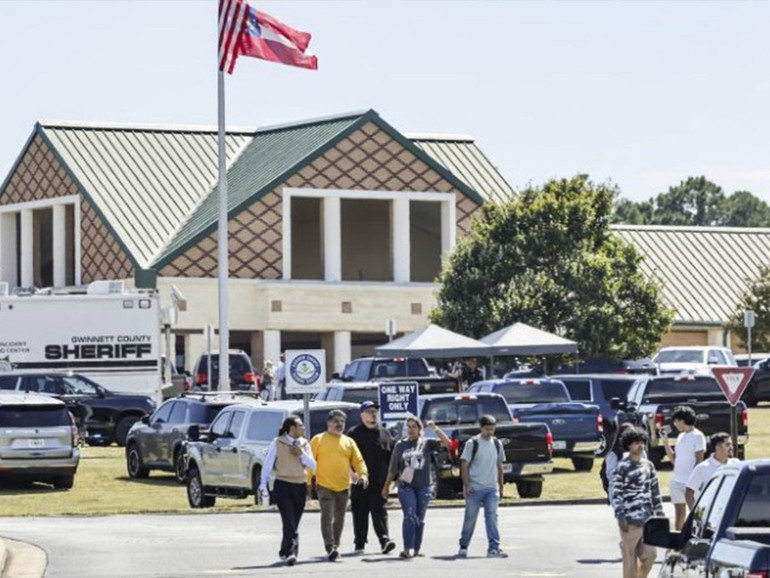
(143, 180)
(155, 185)
(703, 270)
(460, 155)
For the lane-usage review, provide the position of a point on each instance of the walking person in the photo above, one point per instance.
(689, 451)
(635, 499)
(375, 445)
(722, 445)
(410, 463)
(289, 456)
(481, 468)
(268, 381)
(336, 455)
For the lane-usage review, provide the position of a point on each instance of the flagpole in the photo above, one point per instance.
(222, 252)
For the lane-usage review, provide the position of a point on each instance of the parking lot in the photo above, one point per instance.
(102, 485)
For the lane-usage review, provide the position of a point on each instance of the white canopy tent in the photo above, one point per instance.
(523, 339)
(434, 342)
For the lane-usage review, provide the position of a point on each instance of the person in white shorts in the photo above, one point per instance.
(689, 451)
(722, 446)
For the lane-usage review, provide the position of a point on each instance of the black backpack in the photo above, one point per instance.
(603, 476)
(475, 447)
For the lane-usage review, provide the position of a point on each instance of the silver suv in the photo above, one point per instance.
(227, 460)
(38, 439)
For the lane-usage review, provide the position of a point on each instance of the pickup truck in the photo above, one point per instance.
(600, 389)
(576, 427)
(528, 447)
(652, 400)
(349, 392)
(727, 534)
(398, 369)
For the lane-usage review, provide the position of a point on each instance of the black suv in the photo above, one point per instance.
(105, 416)
(155, 442)
(242, 374)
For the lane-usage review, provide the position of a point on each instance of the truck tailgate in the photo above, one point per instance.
(522, 442)
(713, 416)
(567, 421)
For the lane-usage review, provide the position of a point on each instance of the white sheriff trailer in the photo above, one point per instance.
(104, 332)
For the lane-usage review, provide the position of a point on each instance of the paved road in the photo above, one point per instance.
(543, 541)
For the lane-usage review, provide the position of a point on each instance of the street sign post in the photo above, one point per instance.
(749, 320)
(305, 374)
(733, 382)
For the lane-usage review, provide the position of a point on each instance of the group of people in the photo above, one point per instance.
(634, 490)
(361, 467)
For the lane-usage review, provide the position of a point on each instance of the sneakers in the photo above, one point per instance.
(283, 557)
(496, 554)
(388, 547)
(404, 554)
(333, 555)
(462, 553)
(291, 560)
(358, 552)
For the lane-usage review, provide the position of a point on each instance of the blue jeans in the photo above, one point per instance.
(414, 504)
(490, 499)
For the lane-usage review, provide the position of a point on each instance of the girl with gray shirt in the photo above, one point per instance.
(410, 463)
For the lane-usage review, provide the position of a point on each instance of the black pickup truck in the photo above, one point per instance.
(528, 447)
(652, 400)
(383, 369)
(727, 534)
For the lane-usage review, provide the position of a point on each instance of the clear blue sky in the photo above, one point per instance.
(643, 94)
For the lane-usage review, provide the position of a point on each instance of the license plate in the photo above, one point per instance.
(560, 445)
(507, 468)
(35, 443)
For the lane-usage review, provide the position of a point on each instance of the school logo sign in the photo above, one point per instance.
(305, 371)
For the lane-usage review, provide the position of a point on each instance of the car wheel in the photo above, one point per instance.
(741, 453)
(195, 491)
(604, 444)
(583, 464)
(63, 482)
(180, 467)
(121, 429)
(529, 488)
(134, 463)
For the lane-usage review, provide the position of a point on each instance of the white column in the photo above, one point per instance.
(332, 233)
(271, 345)
(448, 228)
(59, 245)
(400, 240)
(341, 350)
(8, 250)
(27, 249)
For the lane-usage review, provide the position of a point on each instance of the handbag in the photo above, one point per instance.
(407, 474)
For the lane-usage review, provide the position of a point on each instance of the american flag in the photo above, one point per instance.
(245, 31)
(232, 21)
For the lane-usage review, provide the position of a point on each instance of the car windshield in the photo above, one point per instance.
(680, 356)
(202, 413)
(359, 394)
(239, 366)
(704, 386)
(538, 392)
(465, 411)
(755, 510)
(387, 368)
(34, 416)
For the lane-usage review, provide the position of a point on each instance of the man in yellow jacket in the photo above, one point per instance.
(336, 455)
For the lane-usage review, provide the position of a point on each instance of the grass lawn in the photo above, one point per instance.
(102, 485)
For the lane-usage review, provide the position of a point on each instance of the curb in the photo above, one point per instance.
(3, 557)
(21, 559)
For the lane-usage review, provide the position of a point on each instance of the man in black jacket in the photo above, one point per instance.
(375, 445)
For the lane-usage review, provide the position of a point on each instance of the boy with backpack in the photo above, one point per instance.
(481, 468)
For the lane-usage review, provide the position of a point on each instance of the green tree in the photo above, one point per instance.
(755, 298)
(548, 258)
(743, 209)
(694, 201)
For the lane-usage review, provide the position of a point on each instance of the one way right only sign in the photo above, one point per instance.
(733, 381)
